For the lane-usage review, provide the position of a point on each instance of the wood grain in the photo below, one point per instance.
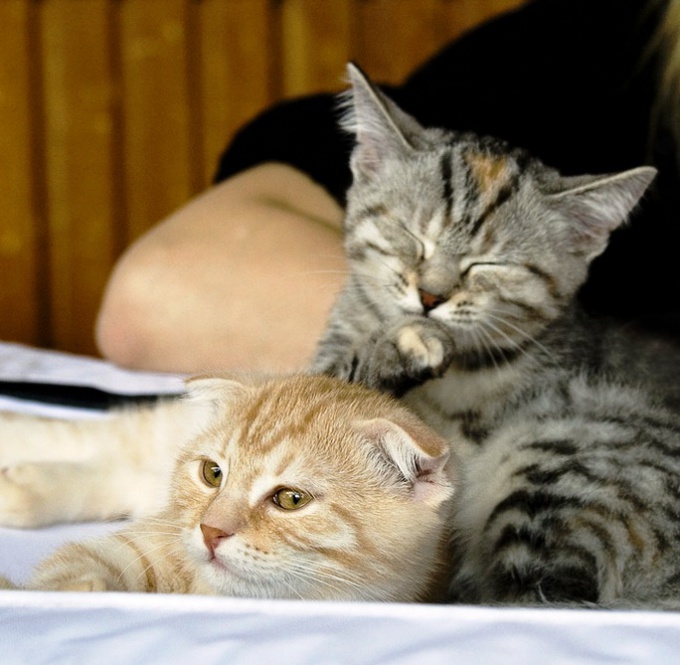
(20, 227)
(78, 96)
(114, 112)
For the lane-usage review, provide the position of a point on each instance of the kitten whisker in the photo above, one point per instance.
(513, 343)
(488, 343)
(328, 255)
(523, 333)
(344, 273)
(344, 577)
(144, 554)
(162, 521)
(385, 264)
(143, 531)
(326, 578)
(293, 588)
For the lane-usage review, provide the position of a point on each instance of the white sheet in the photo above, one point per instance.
(100, 628)
(105, 629)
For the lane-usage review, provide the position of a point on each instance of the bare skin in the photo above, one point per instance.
(242, 277)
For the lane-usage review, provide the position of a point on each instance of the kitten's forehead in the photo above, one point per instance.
(265, 415)
(285, 465)
(259, 418)
(487, 170)
(444, 193)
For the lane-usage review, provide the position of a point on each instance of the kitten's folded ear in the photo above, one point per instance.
(420, 456)
(214, 391)
(596, 205)
(381, 128)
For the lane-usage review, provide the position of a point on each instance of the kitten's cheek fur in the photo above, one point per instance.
(198, 550)
(213, 574)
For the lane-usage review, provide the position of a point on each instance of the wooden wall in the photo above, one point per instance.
(113, 112)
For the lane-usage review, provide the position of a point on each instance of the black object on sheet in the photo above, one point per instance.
(82, 397)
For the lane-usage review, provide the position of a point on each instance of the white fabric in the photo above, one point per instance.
(117, 629)
(103, 629)
(23, 363)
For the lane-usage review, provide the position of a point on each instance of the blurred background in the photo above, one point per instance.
(113, 114)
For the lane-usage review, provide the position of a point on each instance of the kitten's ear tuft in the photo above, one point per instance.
(420, 456)
(381, 128)
(596, 205)
(213, 390)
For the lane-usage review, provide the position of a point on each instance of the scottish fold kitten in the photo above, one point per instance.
(302, 487)
(465, 260)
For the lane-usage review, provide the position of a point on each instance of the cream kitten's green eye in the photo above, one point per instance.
(289, 499)
(211, 474)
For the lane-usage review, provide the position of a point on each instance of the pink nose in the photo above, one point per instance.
(429, 300)
(212, 537)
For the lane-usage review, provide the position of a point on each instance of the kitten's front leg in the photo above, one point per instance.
(133, 559)
(37, 494)
(405, 354)
(91, 566)
(341, 346)
(80, 470)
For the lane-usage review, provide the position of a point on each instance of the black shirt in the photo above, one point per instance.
(572, 81)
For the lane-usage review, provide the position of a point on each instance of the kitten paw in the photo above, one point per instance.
(19, 505)
(426, 353)
(85, 583)
(405, 356)
(70, 580)
(33, 495)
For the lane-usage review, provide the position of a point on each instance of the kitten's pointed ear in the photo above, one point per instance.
(596, 205)
(381, 128)
(420, 456)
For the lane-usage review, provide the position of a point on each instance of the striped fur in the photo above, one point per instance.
(466, 256)
(381, 487)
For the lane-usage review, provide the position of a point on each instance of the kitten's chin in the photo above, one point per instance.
(219, 579)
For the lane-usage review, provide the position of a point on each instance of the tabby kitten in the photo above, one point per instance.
(465, 258)
(302, 487)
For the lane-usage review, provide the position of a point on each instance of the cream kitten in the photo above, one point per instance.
(303, 487)
(86, 470)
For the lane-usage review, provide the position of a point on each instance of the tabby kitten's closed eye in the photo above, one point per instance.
(302, 487)
(465, 257)
(462, 250)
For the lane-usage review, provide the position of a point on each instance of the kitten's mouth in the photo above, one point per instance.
(214, 560)
(223, 567)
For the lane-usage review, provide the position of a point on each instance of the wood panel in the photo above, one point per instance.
(238, 65)
(20, 302)
(78, 126)
(465, 14)
(113, 114)
(156, 110)
(316, 44)
(394, 35)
